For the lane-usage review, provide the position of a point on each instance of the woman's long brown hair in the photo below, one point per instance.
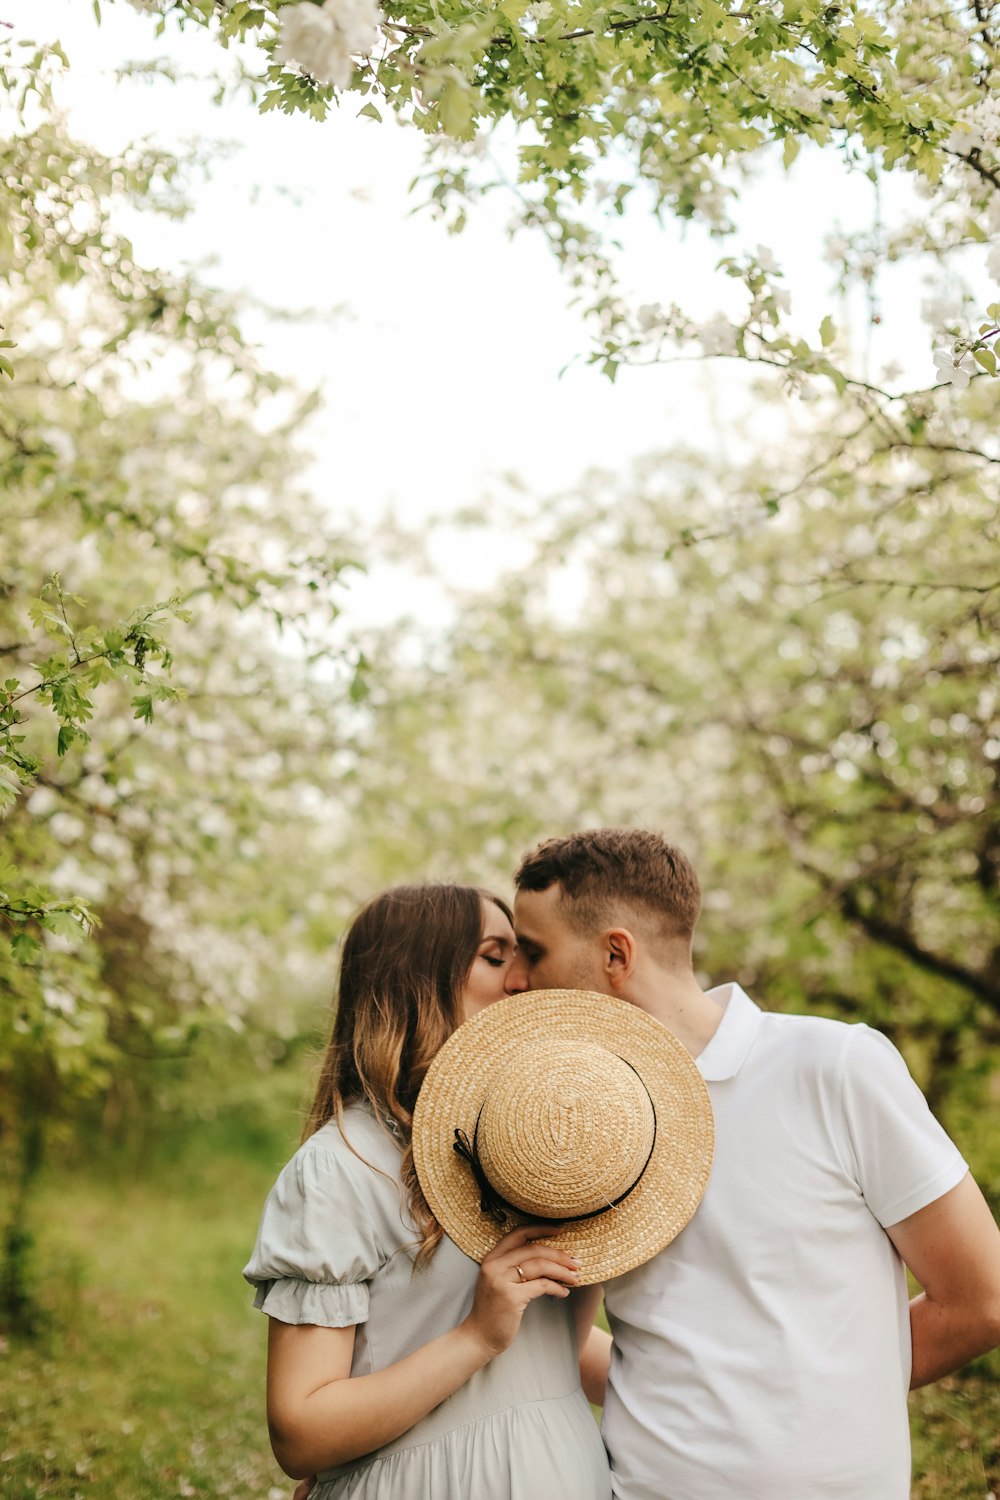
(404, 964)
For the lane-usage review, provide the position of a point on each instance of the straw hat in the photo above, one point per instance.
(564, 1106)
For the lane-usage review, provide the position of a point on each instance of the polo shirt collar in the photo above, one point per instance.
(736, 1033)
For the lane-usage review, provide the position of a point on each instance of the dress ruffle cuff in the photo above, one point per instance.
(322, 1303)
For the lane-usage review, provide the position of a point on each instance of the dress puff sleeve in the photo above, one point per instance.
(317, 1247)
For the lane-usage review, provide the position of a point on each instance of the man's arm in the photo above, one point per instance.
(953, 1249)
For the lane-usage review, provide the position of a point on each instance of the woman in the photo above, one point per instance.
(398, 1369)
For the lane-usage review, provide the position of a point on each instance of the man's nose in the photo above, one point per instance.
(516, 981)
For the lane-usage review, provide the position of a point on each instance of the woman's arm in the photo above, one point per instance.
(593, 1343)
(319, 1416)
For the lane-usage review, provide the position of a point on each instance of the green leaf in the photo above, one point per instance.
(24, 948)
(837, 376)
(790, 150)
(63, 923)
(455, 107)
(827, 331)
(369, 112)
(986, 359)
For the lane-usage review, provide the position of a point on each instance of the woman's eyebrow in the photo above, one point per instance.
(495, 937)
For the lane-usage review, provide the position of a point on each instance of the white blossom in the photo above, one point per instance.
(963, 139)
(993, 261)
(955, 371)
(650, 316)
(61, 443)
(977, 128)
(941, 310)
(986, 118)
(65, 827)
(58, 999)
(860, 541)
(718, 336)
(711, 200)
(805, 97)
(781, 299)
(321, 39)
(766, 260)
(41, 800)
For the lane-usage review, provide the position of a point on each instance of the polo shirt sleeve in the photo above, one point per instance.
(903, 1157)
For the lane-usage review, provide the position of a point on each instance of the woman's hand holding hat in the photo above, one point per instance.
(513, 1274)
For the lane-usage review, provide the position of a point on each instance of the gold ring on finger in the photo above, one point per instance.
(520, 1274)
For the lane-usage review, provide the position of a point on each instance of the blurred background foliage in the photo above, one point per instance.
(172, 672)
(785, 655)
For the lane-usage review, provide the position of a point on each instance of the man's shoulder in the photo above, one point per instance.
(820, 1040)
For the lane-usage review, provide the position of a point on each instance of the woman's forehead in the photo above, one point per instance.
(495, 924)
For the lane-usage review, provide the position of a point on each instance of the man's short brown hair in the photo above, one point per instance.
(602, 869)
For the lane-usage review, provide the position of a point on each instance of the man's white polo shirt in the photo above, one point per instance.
(765, 1354)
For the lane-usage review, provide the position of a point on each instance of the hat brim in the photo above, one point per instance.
(675, 1178)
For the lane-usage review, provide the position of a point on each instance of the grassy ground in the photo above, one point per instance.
(149, 1384)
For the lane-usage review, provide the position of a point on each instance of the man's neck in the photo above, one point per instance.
(679, 1003)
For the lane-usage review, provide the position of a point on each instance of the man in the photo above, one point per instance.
(766, 1353)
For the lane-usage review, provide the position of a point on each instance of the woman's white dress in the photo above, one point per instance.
(335, 1248)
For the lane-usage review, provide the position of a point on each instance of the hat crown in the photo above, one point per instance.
(566, 1128)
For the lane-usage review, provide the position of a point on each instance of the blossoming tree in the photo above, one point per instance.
(159, 733)
(669, 97)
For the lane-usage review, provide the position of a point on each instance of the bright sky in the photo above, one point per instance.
(441, 369)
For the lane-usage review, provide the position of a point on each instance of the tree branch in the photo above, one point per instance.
(974, 160)
(901, 940)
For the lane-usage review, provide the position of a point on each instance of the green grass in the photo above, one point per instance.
(149, 1384)
(956, 1435)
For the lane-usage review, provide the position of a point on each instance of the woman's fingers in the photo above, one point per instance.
(511, 1250)
(516, 1239)
(534, 1266)
(543, 1287)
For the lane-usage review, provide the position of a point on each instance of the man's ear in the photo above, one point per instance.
(619, 956)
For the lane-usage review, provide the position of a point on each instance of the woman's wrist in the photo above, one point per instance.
(471, 1337)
